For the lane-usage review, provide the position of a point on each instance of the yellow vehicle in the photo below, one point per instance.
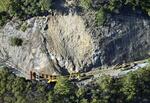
(52, 78)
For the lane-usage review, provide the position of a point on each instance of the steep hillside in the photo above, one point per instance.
(72, 41)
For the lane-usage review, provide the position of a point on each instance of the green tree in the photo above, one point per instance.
(64, 91)
(145, 4)
(24, 9)
(45, 4)
(63, 86)
(108, 90)
(129, 86)
(136, 85)
(18, 90)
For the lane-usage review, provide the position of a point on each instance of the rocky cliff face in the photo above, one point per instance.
(63, 43)
(122, 39)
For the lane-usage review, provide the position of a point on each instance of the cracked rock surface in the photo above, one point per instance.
(58, 44)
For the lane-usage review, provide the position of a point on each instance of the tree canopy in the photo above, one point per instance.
(132, 88)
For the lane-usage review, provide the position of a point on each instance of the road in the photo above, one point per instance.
(113, 72)
(96, 73)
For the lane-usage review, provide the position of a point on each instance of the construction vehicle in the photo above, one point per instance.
(52, 78)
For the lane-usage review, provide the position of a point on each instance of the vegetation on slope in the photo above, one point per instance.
(18, 90)
(16, 41)
(4, 18)
(4, 5)
(102, 7)
(112, 5)
(23, 9)
(86, 4)
(132, 88)
(30, 7)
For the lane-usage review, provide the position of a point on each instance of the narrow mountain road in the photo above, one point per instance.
(96, 73)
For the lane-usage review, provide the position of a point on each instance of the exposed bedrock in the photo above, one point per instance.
(67, 43)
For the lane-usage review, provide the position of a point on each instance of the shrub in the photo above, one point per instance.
(86, 4)
(4, 17)
(24, 27)
(16, 41)
(100, 17)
